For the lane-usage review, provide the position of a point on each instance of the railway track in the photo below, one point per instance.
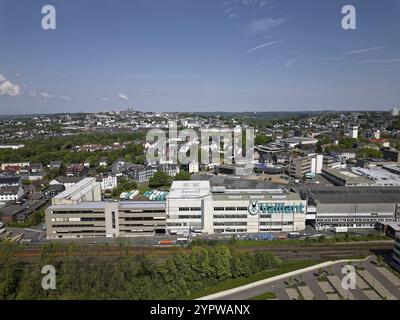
(284, 251)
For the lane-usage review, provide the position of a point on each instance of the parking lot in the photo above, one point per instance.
(373, 280)
(24, 235)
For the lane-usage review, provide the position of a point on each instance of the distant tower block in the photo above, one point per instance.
(353, 131)
(395, 112)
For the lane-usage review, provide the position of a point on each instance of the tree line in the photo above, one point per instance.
(131, 277)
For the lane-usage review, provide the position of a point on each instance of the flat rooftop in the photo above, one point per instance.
(254, 196)
(189, 189)
(100, 205)
(380, 175)
(355, 194)
(348, 176)
(233, 182)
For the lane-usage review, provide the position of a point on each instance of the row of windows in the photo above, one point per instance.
(75, 226)
(76, 212)
(230, 223)
(354, 220)
(138, 219)
(184, 224)
(189, 217)
(350, 225)
(233, 216)
(283, 223)
(229, 230)
(142, 211)
(137, 225)
(190, 209)
(137, 231)
(230, 208)
(83, 231)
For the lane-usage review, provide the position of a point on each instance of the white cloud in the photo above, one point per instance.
(47, 96)
(262, 25)
(380, 61)
(290, 62)
(8, 88)
(268, 61)
(122, 96)
(365, 50)
(264, 45)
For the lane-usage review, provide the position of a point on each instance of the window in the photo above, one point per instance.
(219, 209)
(113, 219)
(230, 208)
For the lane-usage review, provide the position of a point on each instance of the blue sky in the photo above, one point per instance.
(198, 55)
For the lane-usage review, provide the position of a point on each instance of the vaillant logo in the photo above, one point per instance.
(256, 207)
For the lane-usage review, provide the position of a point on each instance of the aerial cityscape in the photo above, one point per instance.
(160, 156)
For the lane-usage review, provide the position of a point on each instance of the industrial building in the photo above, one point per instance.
(381, 176)
(220, 205)
(354, 208)
(196, 206)
(343, 177)
(78, 212)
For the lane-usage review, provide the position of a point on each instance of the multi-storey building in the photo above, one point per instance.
(300, 166)
(79, 212)
(194, 205)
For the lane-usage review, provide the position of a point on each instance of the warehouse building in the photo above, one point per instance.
(354, 208)
(343, 177)
(196, 206)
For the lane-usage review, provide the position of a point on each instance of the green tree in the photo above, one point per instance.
(369, 153)
(262, 140)
(183, 176)
(160, 179)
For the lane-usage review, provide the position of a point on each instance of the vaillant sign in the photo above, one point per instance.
(256, 207)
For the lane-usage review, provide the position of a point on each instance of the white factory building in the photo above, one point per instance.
(196, 206)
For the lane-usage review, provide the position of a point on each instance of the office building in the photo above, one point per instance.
(196, 206)
(391, 154)
(299, 167)
(353, 131)
(317, 161)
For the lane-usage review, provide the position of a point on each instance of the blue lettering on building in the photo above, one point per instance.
(256, 207)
